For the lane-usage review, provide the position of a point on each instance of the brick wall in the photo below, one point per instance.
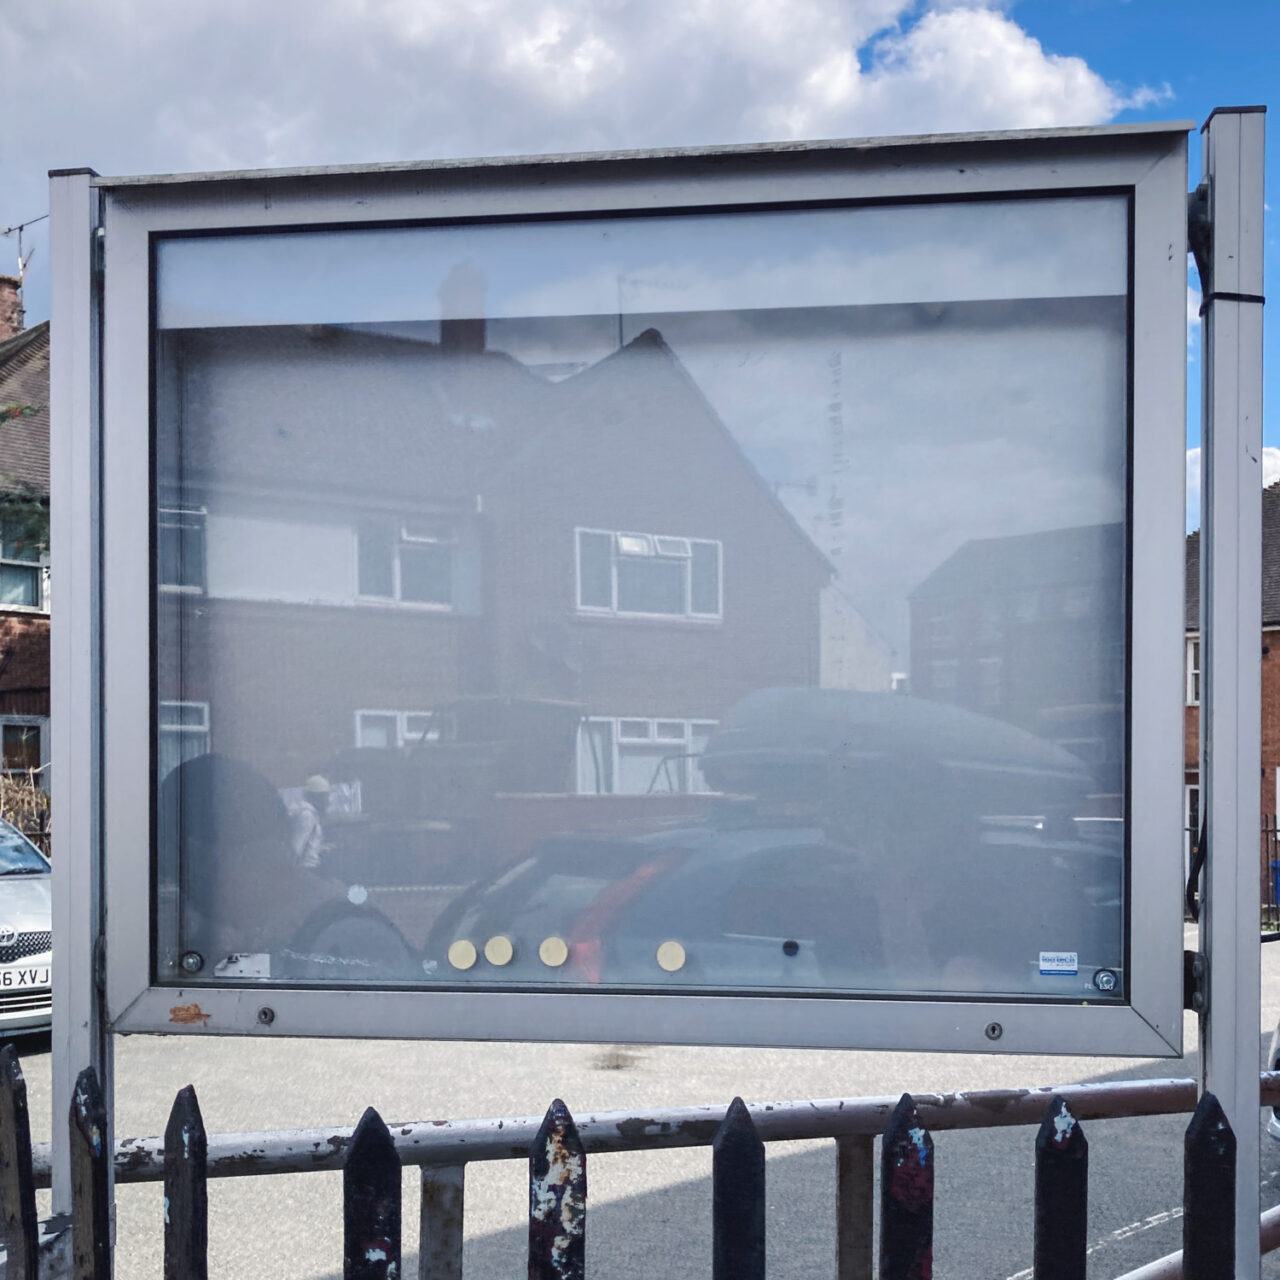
(1270, 726)
(24, 664)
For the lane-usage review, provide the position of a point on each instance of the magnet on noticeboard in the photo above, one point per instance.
(462, 954)
(671, 956)
(553, 952)
(499, 950)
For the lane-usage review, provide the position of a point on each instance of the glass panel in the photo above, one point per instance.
(595, 758)
(21, 746)
(704, 589)
(426, 572)
(180, 549)
(376, 731)
(595, 570)
(19, 586)
(784, 562)
(376, 569)
(651, 585)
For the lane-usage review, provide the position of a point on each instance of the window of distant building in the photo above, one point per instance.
(23, 572)
(180, 547)
(410, 561)
(1193, 671)
(634, 755)
(394, 728)
(23, 743)
(183, 734)
(648, 575)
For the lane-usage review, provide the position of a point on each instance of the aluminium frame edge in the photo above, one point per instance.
(1150, 1025)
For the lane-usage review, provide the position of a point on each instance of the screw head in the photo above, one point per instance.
(994, 1031)
(1104, 980)
(266, 1015)
(192, 961)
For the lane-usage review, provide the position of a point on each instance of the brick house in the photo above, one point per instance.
(24, 496)
(1270, 779)
(1030, 630)
(365, 529)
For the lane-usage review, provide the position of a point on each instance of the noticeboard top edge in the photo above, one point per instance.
(816, 146)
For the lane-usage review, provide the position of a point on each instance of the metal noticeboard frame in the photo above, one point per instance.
(105, 778)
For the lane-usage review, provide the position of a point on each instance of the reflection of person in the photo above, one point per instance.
(245, 899)
(306, 831)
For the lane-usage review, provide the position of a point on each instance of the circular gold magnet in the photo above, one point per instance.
(498, 950)
(462, 954)
(553, 952)
(671, 956)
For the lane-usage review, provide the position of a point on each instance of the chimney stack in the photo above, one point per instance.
(462, 308)
(10, 306)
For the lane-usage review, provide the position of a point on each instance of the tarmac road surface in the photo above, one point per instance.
(649, 1212)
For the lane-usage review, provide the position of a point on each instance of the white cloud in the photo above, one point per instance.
(1270, 465)
(148, 85)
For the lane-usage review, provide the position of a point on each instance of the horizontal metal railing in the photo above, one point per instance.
(453, 1142)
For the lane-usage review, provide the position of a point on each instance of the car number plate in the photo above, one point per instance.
(17, 976)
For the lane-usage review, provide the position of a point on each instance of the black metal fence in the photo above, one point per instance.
(557, 1158)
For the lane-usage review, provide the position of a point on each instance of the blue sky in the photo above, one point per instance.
(129, 86)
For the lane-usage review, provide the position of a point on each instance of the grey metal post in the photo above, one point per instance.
(79, 1037)
(1231, 627)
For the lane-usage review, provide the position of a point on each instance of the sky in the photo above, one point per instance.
(149, 86)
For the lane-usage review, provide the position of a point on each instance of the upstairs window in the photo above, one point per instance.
(180, 543)
(648, 575)
(1193, 672)
(22, 571)
(410, 562)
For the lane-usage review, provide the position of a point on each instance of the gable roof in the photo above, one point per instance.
(1051, 557)
(1270, 564)
(24, 436)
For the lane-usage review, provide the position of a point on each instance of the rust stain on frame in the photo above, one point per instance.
(188, 1014)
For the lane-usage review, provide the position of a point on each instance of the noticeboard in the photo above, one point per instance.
(727, 597)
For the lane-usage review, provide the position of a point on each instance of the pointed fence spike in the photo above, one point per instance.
(90, 1206)
(17, 1186)
(906, 1196)
(371, 1203)
(1062, 1196)
(186, 1198)
(737, 1198)
(1209, 1194)
(557, 1199)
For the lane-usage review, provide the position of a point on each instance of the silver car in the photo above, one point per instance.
(26, 935)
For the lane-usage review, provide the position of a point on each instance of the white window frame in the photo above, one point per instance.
(182, 509)
(40, 567)
(400, 539)
(619, 741)
(27, 722)
(401, 718)
(612, 610)
(103, 450)
(1193, 670)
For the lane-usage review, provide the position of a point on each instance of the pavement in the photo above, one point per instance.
(648, 1211)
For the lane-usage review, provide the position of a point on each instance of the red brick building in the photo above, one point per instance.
(1269, 782)
(24, 495)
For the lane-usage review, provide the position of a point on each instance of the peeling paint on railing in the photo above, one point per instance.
(453, 1142)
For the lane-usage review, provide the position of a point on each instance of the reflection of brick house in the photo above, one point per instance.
(1030, 630)
(1270, 780)
(372, 527)
(24, 493)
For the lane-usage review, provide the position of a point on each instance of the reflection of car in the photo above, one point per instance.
(26, 935)
(860, 842)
